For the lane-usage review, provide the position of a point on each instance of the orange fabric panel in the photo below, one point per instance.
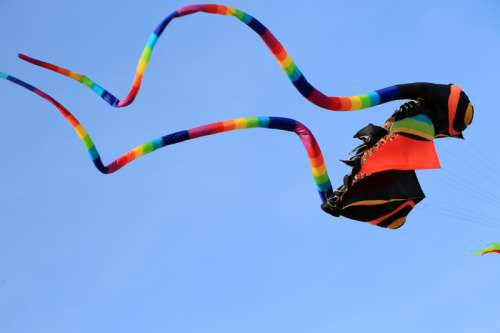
(402, 153)
(452, 107)
(382, 218)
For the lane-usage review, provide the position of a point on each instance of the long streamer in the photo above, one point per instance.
(336, 103)
(316, 160)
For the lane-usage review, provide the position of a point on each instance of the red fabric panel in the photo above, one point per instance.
(402, 153)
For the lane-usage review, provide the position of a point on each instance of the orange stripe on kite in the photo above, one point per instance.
(383, 218)
(452, 107)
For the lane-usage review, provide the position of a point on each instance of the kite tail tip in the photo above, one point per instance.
(31, 60)
(38, 62)
(24, 57)
(3, 75)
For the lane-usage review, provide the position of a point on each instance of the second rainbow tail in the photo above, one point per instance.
(316, 160)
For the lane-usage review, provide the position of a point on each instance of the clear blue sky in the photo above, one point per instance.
(225, 234)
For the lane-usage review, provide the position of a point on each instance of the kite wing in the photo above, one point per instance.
(383, 199)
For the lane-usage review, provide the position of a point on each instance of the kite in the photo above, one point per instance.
(493, 248)
(382, 187)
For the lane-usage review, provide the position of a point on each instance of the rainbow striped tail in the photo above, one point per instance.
(318, 167)
(306, 89)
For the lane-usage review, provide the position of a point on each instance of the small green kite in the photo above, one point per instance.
(492, 248)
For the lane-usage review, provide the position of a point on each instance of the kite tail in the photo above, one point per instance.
(335, 103)
(316, 160)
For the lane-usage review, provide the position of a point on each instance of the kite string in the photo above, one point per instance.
(316, 159)
(474, 158)
(472, 214)
(478, 181)
(337, 103)
(484, 159)
(476, 220)
(469, 190)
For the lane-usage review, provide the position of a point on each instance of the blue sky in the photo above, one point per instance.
(225, 234)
